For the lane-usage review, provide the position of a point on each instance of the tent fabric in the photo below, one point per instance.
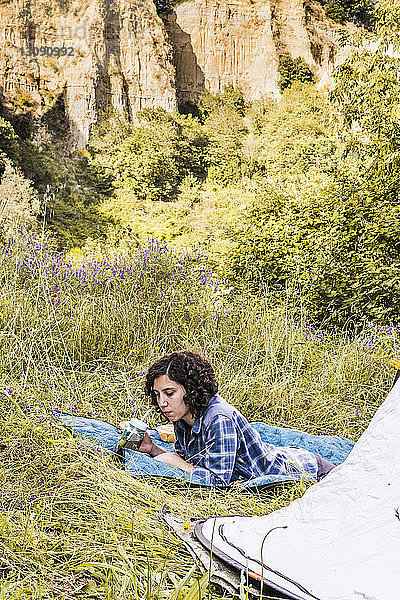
(106, 437)
(341, 539)
(220, 573)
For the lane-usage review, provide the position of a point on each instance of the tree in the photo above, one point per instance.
(293, 69)
(145, 166)
(360, 12)
(19, 202)
(294, 134)
(333, 231)
(367, 95)
(231, 98)
(222, 115)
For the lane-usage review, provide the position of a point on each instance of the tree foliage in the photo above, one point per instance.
(292, 135)
(152, 159)
(360, 12)
(39, 152)
(231, 98)
(367, 95)
(327, 241)
(293, 69)
(333, 233)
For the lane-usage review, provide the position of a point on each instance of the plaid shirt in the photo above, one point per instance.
(224, 447)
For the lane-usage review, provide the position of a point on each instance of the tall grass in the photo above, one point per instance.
(78, 338)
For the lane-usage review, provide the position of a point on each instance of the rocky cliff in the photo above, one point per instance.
(96, 54)
(239, 41)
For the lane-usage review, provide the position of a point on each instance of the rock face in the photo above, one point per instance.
(96, 54)
(217, 42)
(117, 54)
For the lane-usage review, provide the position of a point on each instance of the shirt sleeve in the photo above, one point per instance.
(219, 456)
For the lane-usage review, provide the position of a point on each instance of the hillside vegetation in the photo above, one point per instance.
(274, 194)
(296, 196)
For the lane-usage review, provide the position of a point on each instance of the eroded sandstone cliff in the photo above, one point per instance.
(120, 53)
(217, 42)
(117, 54)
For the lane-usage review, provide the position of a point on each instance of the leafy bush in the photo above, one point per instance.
(360, 12)
(148, 166)
(19, 202)
(292, 135)
(293, 69)
(59, 178)
(324, 224)
(231, 97)
(366, 95)
(330, 242)
(226, 129)
(152, 159)
(8, 138)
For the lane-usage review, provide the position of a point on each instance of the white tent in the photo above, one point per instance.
(341, 540)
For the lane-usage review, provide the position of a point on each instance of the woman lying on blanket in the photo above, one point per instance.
(214, 441)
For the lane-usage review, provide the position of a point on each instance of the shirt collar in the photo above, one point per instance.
(197, 422)
(197, 425)
(181, 425)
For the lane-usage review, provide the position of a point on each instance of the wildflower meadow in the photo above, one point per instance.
(77, 336)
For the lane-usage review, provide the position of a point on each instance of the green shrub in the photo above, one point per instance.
(8, 138)
(331, 241)
(360, 12)
(226, 129)
(231, 97)
(19, 202)
(293, 69)
(152, 159)
(292, 135)
(70, 192)
(366, 95)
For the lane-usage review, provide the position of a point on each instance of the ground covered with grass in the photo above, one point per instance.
(78, 338)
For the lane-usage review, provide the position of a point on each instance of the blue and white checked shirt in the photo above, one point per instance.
(224, 447)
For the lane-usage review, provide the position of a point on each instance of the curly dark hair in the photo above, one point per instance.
(192, 371)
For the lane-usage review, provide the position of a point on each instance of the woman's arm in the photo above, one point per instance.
(169, 458)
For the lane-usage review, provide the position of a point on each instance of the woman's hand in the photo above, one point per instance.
(149, 447)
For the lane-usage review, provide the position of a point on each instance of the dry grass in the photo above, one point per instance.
(72, 523)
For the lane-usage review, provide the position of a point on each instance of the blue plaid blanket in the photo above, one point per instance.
(106, 437)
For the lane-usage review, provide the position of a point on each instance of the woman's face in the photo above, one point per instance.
(169, 395)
